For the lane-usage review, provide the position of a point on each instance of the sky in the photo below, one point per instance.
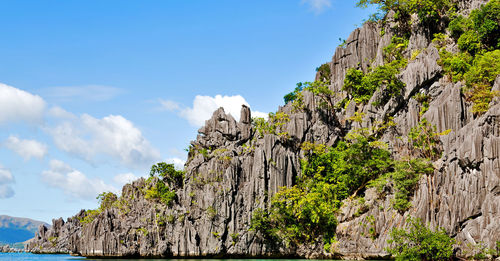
(92, 93)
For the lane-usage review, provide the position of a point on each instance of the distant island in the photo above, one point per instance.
(14, 231)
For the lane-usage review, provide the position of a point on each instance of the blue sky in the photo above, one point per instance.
(92, 93)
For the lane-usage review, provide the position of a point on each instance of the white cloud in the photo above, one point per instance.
(258, 114)
(204, 107)
(6, 179)
(169, 105)
(73, 182)
(58, 112)
(92, 93)
(318, 6)
(18, 105)
(178, 163)
(26, 148)
(113, 135)
(122, 179)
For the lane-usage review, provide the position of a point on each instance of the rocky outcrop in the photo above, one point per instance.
(235, 168)
(8, 249)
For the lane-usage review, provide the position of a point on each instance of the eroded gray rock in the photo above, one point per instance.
(233, 169)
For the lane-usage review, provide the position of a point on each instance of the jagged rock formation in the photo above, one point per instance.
(233, 169)
(8, 249)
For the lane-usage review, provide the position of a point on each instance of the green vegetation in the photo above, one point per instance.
(53, 241)
(234, 238)
(429, 11)
(295, 95)
(480, 31)
(163, 188)
(455, 65)
(168, 173)
(406, 176)
(420, 243)
(272, 125)
(106, 200)
(423, 99)
(216, 234)
(90, 215)
(160, 191)
(324, 72)
(478, 62)
(144, 231)
(361, 86)
(306, 212)
(480, 251)
(425, 139)
(318, 88)
(479, 80)
(211, 212)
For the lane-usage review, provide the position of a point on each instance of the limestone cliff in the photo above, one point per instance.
(233, 169)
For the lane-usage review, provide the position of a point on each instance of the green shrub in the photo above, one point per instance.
(405, 177)
(260, 222)
(307, 211)
(354, 85)
(420, 242)
(234, 238)
(457, 26)
(429, 11)
(479, 80)
(272, 125)
(486, 22)
(455, 65)
(394, 50)
(293, 96)
(439, 40)
(423, 99)
(485, 69)
(323, 92)
(362, 86)
(106, 200)
(90, 215)
(324, 72)
(211, 212)
(469, 41)
(425, 139)
(168, 173)
(480, 31)
(161, 192)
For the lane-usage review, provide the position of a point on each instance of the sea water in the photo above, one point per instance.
(47, 257)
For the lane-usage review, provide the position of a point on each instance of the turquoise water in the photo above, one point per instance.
(28, 256)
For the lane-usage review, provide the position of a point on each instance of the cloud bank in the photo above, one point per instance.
(115, 136)
(72, 182)
(26, 148)
(17, 105)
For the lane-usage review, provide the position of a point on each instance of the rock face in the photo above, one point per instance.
(234, 168)
(8, 249)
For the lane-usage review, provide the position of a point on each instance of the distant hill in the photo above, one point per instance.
(15, 229)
